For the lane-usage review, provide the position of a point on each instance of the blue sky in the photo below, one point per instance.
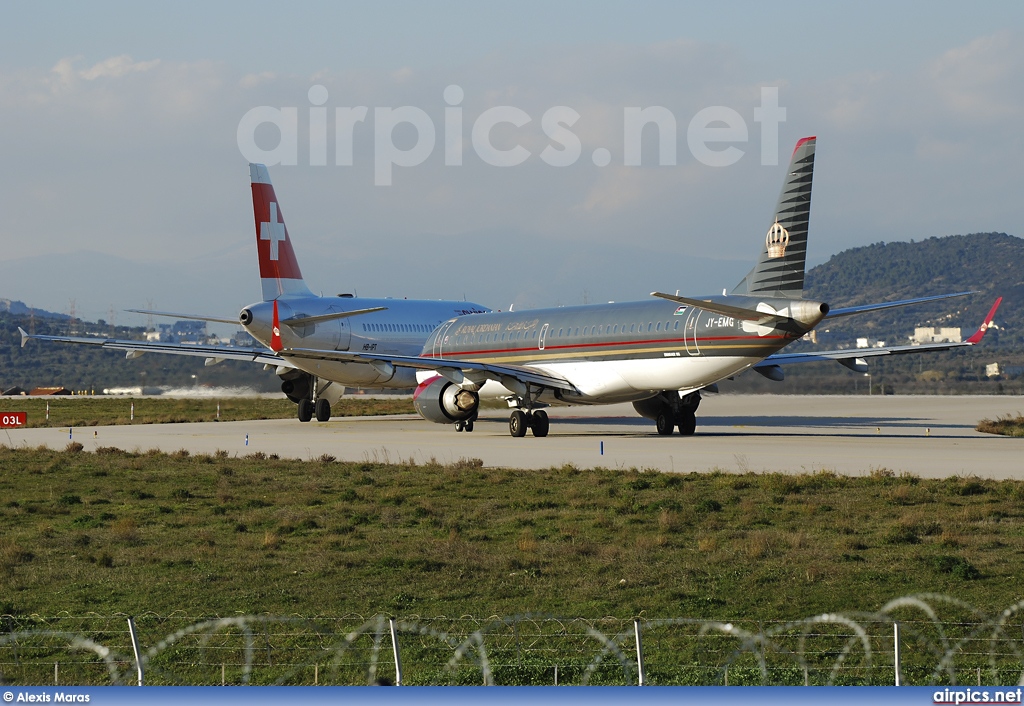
(123, 172)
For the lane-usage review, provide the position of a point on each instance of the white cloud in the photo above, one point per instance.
(117, 66)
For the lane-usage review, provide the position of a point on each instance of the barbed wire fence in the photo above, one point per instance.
(920, 639)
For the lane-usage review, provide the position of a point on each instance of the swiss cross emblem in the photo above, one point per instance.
(273, 231)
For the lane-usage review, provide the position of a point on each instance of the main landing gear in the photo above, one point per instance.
(465, 426)
(310, 404)
(537, 422)
(670, 411)
(667, 420)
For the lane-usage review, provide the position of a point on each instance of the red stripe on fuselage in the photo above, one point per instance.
(699, 341)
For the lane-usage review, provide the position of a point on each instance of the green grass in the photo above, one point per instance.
(203, 535)
(1007, 426)
(102, 411)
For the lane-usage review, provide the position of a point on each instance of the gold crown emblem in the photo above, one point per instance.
(777, 240)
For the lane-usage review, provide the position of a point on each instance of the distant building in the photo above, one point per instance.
(41, 391)
(992, 370)
(929, 334)
(243, 339)
(14, 391)
(179, 332)
(870, 343)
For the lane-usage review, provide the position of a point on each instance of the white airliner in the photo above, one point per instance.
(290, 315)
(658, 354)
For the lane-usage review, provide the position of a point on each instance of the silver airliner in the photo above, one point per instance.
(658, 354)
(290, 315)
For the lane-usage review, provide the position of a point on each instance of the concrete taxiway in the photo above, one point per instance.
(927, 436)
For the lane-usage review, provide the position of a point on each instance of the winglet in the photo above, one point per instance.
(24, 336)
(275, 334)
(980, 333)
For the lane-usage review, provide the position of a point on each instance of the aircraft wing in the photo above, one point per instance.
(136, 348)
(852, 357)
(849, 310)
(447, 367)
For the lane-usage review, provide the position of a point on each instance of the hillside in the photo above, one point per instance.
(989, 263)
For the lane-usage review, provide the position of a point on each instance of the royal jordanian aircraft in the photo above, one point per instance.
(290, 315)
(658, 354)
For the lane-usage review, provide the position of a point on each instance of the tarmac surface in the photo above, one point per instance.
(931, 437)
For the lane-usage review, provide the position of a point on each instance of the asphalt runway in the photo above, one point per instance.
(928, 436)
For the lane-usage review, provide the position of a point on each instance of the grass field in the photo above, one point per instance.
(117, 532)
(102, 411)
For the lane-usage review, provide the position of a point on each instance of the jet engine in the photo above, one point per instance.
(443, 402)
(297, 385)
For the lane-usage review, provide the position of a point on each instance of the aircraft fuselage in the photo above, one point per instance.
(621, 352)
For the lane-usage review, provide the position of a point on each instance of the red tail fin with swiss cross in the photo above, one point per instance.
(279, 270)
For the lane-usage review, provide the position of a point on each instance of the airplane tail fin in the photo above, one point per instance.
(780, 269)
(279, 270)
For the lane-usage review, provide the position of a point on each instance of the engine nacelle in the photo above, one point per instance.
(443, 402)
(297, 385)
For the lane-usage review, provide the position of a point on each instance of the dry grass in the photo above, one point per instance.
(1006, 426)
(103, 411)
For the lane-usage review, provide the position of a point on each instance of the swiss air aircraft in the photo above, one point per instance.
(658, 354)
(290, 315)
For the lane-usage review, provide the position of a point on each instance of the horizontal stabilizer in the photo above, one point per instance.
(191, 317)
(296, 321)
(724, 309)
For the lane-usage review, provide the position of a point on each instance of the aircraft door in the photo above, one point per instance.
(441, 339)
(344, 335)
(540, 340)
(690, 332)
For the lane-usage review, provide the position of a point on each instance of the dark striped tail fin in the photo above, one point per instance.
(780, 269)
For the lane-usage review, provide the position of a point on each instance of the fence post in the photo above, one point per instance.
(398, 658)
(639, 653)
(556, 675)
(135, 646)
(56, 682)
(896, 650)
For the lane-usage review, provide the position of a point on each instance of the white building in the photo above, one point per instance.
(929, 334)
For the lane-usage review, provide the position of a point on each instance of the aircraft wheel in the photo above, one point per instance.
(517, 424)
(323, 410)
(688, 424)
(666, 423)
(539, 423)
(459, 426)
(305, 409)
(469, 425)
